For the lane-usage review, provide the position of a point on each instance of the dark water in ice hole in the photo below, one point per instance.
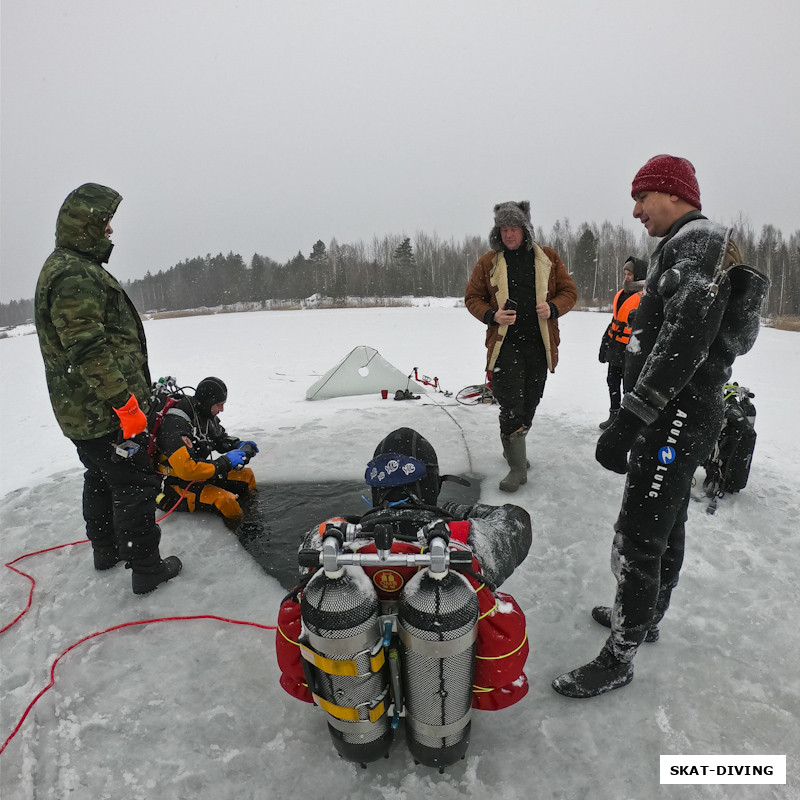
(280, 514)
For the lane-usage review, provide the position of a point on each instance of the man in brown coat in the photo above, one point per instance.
(518, 290)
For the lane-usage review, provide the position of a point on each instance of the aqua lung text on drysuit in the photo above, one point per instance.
(672, 439)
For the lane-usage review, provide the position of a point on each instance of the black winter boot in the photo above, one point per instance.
(602, 614)
(597, 677)
(151, 571)
(105, 556)
(612, 415)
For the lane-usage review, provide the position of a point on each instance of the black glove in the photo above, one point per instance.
(616, 441)
(603, 355)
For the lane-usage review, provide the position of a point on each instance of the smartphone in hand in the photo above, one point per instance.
(511, 305)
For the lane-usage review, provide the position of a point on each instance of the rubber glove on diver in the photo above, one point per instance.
(132, 419)
(237, 458)
(616, 441)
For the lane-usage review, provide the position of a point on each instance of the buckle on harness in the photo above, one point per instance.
(127, 449)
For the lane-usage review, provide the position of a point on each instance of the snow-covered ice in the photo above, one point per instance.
(193, 709)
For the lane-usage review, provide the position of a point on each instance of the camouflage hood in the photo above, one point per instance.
(82, 221)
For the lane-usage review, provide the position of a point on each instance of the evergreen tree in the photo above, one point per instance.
(404, 269)
(319, 255)
(584, 265)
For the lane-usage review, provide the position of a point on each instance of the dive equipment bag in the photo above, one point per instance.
(728, 468)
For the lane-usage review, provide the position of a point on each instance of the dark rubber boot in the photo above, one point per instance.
(148, 573)
(602, 614)
(514, 449)
(602, 675)
(612, 415)
(505, 455)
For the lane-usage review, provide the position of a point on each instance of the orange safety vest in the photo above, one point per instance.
(620, 330)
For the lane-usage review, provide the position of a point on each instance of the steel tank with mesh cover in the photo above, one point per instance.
(437, 626)
(344, 661)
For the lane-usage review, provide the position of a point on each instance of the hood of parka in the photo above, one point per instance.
(82, 220)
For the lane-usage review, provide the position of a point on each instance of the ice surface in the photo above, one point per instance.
(193, 709)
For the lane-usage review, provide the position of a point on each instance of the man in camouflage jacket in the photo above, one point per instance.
(95, 358)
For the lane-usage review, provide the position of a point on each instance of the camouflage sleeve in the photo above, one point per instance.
(77, 310)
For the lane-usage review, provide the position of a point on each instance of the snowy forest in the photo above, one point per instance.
(426, 266)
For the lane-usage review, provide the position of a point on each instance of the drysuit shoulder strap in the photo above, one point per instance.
(177, 412)
(157, 418)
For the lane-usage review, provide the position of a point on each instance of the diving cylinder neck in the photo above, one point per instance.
(330, 552)
(384, 537)
(438, 552)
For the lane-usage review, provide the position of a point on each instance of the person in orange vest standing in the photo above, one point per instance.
(618, 332)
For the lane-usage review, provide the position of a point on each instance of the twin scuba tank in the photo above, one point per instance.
(368, 661)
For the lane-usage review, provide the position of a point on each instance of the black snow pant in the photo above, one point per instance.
(518, 380)
(648, 548)
(119, 499)
(616, 372)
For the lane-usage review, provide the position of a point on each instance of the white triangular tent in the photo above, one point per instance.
(362, 371)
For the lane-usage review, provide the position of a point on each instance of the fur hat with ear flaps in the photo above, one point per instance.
(508, 214)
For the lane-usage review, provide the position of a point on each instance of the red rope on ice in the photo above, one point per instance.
(50, 685)
(109, 630)
(183, 494)
(11, 566)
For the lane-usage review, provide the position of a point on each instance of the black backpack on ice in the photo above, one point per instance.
(728, 468)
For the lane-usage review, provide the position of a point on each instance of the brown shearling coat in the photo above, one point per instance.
(488, 288)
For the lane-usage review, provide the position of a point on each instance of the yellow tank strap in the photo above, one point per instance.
(291, 641)
(332, 666)
(490, 611)
(506, 655)
(349, 714)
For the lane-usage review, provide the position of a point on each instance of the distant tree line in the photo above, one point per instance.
(397, 265)
(389, 267)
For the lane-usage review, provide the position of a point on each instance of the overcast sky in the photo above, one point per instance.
(263, 126)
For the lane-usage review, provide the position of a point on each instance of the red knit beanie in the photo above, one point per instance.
(671, 175)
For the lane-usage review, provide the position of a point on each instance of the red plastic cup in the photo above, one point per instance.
(384, 393)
